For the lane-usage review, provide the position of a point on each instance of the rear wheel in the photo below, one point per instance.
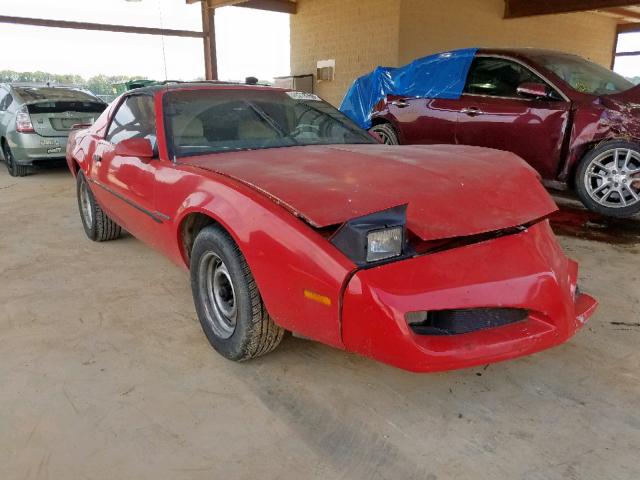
(608, 179)
(15, 170)
(387, 133)
(97, 224)
(228, 303)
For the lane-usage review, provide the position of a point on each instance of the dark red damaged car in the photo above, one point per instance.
(289, 217)
(575, 122)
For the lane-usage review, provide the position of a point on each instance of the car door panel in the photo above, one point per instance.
(532, 129)
(424, 120)
(497, 116)
(126, 185)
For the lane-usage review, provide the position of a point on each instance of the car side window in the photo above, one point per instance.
(6, 99)
(135, 118)
(498, 77)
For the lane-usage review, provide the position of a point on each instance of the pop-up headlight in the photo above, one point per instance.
(375, 237)
(385, 243)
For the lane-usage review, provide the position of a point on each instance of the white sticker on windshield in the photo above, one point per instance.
(304, 96)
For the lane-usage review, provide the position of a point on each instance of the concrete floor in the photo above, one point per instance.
(105, 374)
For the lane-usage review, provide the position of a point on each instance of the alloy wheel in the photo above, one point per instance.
(612, 179)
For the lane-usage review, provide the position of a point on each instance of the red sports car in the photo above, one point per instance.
(575, 122)
(289, 217)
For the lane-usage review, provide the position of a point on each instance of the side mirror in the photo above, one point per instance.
(537, 90)
(134, 147)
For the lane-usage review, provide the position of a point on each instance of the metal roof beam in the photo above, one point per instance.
(42, 22)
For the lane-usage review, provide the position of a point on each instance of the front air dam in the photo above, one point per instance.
(527, 270)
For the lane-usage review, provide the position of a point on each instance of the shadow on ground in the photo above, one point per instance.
(574, 220)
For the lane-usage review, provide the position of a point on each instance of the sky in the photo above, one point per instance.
(250, 42)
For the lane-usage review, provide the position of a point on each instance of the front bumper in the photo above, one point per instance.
(527, 270)
(28, 148)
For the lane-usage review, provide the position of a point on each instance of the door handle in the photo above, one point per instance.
(400, 103)
(97, 158)
(472, 111)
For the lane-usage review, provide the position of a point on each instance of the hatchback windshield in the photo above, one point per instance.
(219, 120)
(582, 75)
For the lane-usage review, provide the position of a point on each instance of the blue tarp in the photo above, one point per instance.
(436, 76)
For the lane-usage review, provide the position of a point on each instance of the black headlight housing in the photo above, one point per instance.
(374, 238)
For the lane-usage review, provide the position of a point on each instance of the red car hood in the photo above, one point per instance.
(450, 190)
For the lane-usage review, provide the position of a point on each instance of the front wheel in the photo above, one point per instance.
(15, 169)
(228, 303)
(608, 179)
(387, 133)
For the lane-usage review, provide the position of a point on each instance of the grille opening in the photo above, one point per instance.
(455, 322)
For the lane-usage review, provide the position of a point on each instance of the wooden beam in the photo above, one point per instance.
(624, 12)
(283, 6)
(224, 3)
(628, 27)
(528, 8)
(210, 51)
(39, 22)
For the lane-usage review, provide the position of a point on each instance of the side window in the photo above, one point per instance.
(135, 118)
(6, 99)
(498, 77)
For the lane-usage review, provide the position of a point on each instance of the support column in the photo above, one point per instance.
(209, 29)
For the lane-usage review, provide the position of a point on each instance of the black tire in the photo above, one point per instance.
(252, 332)
(607, 186)
(387, 133)
(97, 224)
(14, 169)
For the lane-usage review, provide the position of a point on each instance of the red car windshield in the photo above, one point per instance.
(219, 120)
(582, 75)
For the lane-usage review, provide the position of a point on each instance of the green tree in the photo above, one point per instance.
(99, 84)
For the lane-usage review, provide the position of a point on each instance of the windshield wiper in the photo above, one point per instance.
(264, 116)
(327, 114)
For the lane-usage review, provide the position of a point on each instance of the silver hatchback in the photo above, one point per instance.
(35, 121)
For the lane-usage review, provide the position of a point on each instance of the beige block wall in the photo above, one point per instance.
(430, 26)
(358, 34)
(362, 34)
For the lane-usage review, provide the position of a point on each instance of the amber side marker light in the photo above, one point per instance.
(316, 297)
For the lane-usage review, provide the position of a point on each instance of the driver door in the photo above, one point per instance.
(126, 185)
(493, 114)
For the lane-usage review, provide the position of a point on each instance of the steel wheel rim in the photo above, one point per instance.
(8, 158)
(218, 295)
(85, 205)
(612, 179)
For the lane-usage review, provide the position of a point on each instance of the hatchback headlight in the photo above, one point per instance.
(385, 243)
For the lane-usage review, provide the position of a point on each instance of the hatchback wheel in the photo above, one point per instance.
(97, 224)
(608, 179)
(386, 132)
(15, 170)
(227, 300)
